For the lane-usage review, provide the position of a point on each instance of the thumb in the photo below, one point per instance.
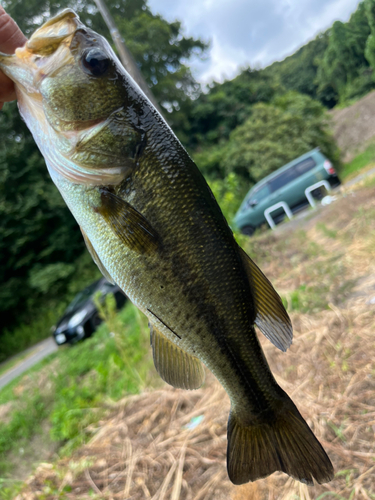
(11, 36)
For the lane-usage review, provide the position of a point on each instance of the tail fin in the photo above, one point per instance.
(287, 444)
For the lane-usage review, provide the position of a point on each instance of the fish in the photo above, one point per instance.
(153, 226)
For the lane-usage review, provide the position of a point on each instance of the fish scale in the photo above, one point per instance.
(153, 226)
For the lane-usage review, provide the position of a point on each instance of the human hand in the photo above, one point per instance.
(11, 37)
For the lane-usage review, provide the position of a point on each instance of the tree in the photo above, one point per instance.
(370, 44)
(40, 243)
(159, 47)
(277, 133)
(298, 72)
(216, 113)
(37, 230)
(344, 58)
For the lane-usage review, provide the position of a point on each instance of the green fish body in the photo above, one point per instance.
(153, 227)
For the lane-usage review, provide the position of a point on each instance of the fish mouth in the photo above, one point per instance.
(46, 39)
(46, 51)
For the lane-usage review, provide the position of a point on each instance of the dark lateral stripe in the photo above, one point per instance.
(165, 324)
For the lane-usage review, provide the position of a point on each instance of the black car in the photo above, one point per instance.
(81, 318)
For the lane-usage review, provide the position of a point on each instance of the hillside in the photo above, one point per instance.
(354, 126)
(171, 444)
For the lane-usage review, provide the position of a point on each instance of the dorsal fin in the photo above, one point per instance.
(271, 316)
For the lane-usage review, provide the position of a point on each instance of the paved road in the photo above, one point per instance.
(33, 356)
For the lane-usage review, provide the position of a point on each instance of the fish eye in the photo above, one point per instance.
(95, 62)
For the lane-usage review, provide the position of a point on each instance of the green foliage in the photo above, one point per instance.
(75, 386)
(238, 132)
(43, 278)
(28, 333)
(229, 193)
(370, 44)
(39, 240)
(276, 134)
(215, 114)
(325, 283)
(299, 71)
(158, 47)
(358, 87)
(37, 230)
(363, 159)
(36, 321)
(344, 58)
(337, 65)
(9, 489)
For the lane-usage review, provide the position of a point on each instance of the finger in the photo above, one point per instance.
(11, 37)
(7, 92)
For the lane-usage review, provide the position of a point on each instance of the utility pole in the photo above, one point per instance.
(124, 53)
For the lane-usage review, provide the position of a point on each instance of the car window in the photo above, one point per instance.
(304, 166)
(107, 288)
(259, 194)
(81, 298)
(283, 179)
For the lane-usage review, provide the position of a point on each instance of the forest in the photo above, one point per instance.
(237, 132)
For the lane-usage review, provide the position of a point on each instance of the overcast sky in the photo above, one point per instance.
(251, 32)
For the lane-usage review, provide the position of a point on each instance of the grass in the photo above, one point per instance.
(323, 284)
(329, 372)
(143, 450)
(28, 334)
(363, 160)
(40, 313)
(72, 389)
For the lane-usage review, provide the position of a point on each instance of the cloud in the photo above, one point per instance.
(249, 32)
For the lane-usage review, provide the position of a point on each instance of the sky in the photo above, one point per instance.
(250, 32)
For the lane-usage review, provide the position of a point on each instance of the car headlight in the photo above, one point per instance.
(76, 319)
(60, 338)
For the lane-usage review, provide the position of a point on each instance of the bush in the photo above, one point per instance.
(276, 134)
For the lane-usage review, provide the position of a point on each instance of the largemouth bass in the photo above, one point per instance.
(153, 227)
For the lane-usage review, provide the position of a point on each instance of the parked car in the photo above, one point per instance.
(81, 317)
(286, 184)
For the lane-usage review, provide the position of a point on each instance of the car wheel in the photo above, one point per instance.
(95, 321)
(248, 230)
(334, 181)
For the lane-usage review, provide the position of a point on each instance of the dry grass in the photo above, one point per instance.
(146, 451)
(353, 126)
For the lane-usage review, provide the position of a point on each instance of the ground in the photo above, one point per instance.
(354, 126)
(171, 444)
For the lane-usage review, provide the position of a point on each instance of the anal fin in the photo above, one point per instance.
(271, 316)
(175, 366)
(95, 257)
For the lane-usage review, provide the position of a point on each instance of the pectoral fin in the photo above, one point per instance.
(95, 257)
(271, 316)
(175, 366)
(127, 223)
